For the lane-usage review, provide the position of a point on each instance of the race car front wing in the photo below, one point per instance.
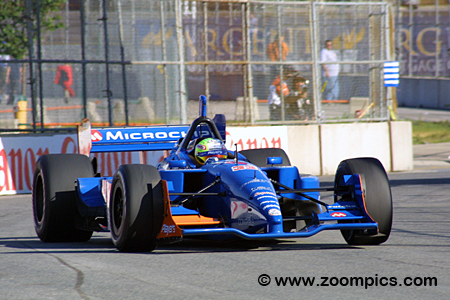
(345, 215)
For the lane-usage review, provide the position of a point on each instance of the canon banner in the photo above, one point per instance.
(257, 137)
(18, 155)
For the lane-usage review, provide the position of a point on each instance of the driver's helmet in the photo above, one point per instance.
(208, 148)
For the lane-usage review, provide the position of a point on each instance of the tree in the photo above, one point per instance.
(13, 23)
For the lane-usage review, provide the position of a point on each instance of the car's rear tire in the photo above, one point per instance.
(54, 197)
(258, 157)
(377, 195)
(136, 208)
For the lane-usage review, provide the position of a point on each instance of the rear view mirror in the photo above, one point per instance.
(274, 160)
(177, 164)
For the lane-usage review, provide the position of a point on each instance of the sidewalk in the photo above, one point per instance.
(428, 156)
(423, 114)
(432, 156)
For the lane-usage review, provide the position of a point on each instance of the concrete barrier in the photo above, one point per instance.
(318, 149)
(92, 113)
(343, 141)
(401, 146)
(9, 123)
(119, 111)
(144, 110)
(304, 148)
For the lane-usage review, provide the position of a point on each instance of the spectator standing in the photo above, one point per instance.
(4, 73)
(253, 26)
(64, 77)
(14, 81)
(273, 52)
(330, 74)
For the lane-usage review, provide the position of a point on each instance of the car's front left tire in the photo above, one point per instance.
(377, 195)
(136, 208)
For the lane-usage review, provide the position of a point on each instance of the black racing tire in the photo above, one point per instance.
(54, 197)
(377, 195)
(258, 157)
(136, 208)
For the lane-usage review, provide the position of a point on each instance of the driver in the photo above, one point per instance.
(208, 148)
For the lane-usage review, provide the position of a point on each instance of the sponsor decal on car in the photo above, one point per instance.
(243, 167)
(167, 229)
(210, 152)
(264, 193)
(268, 201)
(350, 206)
(238, 208)
(271, 205)
(96, 136)
(274, 212)
(119, 135)
(254, 181)
(338, 214)
(249, 220)
(128, 134)
(266, 196)
(257, 188)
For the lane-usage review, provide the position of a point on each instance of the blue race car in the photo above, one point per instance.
(201, 189)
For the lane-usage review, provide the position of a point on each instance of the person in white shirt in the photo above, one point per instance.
(330, 73)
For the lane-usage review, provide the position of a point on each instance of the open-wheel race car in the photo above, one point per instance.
(201, 189)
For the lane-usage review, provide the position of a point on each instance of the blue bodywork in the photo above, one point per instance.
(249, 201)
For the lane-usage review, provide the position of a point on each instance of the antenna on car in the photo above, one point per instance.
(235, 154)
(202, 106)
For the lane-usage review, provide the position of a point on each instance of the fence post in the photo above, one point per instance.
(180, 39)
(30, 58)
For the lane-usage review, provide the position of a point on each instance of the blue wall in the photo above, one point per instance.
(427, 93)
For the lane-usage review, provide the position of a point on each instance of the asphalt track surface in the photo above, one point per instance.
(413, 264)
(417, 253)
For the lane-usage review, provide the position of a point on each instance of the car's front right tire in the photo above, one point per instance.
(54, 197)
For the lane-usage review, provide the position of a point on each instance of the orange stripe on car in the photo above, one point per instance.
(189, 220)
(169, 229)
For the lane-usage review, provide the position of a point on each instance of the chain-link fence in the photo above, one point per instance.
(422, 47)
(132, 62)
(361, 35)
(423, 38)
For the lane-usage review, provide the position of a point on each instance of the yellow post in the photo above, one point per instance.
(21, 113)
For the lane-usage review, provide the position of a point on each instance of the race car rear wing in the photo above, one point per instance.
(147, 138)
